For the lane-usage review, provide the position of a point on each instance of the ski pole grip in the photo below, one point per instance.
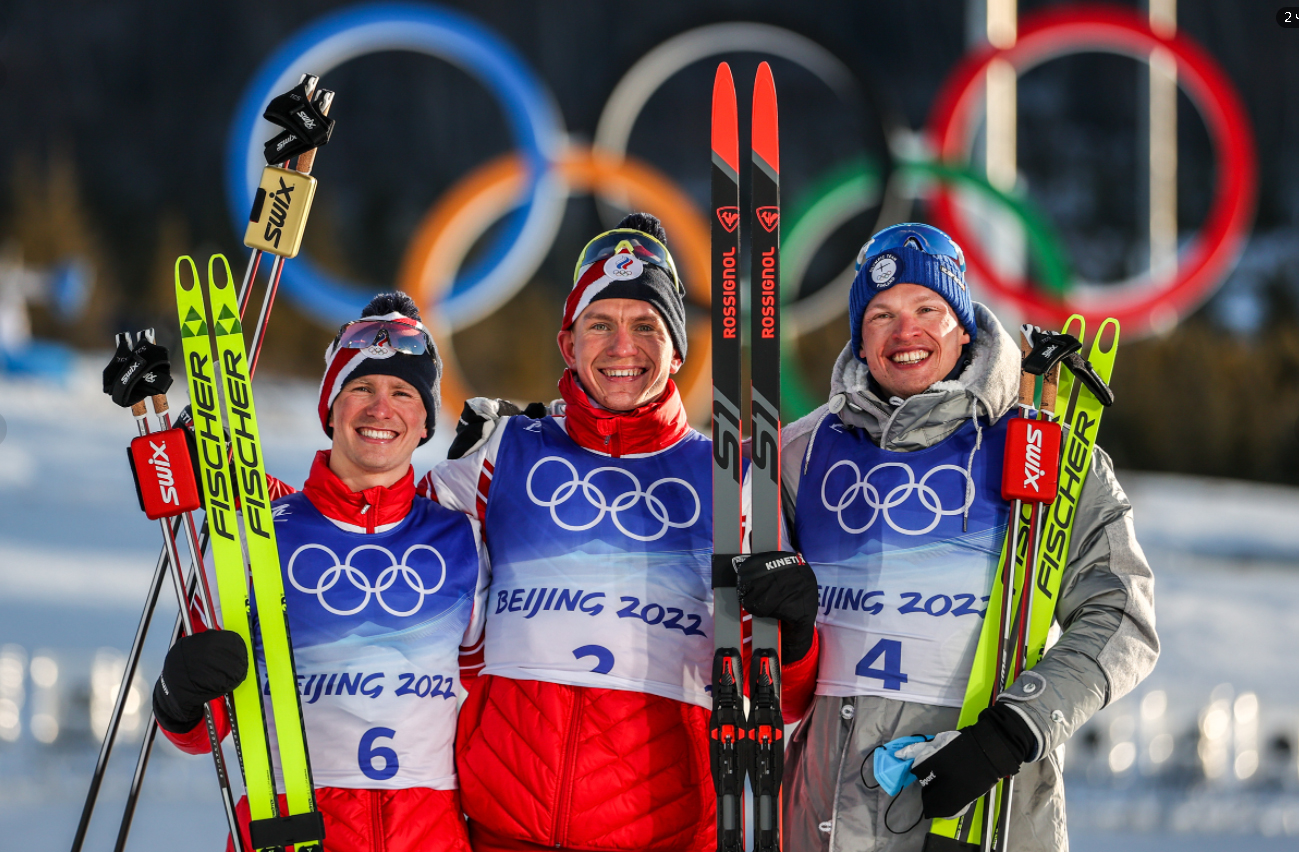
(139, 410)
(307, 160)
(160, 406)
(1050, 389)
(1027, 381)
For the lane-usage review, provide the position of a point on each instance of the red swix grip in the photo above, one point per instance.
(1032, 467)
(164, 479)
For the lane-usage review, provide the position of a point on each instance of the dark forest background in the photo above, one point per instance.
(115, 118)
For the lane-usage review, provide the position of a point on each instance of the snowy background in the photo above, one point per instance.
(1202, 756)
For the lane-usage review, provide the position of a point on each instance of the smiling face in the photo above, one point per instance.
(910, 338)
(621, 352)
(378, 421)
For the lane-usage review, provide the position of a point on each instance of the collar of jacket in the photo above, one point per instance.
(374, 507)
(988, 387)
(648, 429)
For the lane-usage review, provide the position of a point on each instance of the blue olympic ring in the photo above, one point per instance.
(530, 111)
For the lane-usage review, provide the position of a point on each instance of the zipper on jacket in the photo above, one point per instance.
(378, 841)
(559, 834)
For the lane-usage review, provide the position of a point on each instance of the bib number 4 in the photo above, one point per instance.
(889, 653)
(367, 754)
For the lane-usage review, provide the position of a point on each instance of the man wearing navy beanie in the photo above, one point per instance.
(898, 510)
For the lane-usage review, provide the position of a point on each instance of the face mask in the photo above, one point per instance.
(893, 773)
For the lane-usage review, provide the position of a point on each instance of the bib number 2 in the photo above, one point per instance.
(368, 753)
(890, 670)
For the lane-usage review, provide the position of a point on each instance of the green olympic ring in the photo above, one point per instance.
(853, 189)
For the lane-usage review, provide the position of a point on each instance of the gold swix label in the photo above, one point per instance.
(279, 214)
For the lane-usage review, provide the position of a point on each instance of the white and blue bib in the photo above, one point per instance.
(905, 547)
(376, 621)
(601, 567)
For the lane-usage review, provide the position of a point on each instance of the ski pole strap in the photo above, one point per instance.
(1091, 377)
(140, 368)
(287, 831)
(305, 125)
(1048, 348)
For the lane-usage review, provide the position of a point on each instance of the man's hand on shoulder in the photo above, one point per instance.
(478, 420)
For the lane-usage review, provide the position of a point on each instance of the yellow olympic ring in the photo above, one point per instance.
(486, 194)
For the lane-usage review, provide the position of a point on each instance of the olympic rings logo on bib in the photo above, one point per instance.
(895, 497)
(387, 578)
(626, 500)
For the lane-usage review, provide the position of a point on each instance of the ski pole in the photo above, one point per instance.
(1027, 384)
(305, 162)
(146, 747)
(325, 99)
(308, 82)
(119, 703)
(140, 412)
(1019, 652)
(132, 662)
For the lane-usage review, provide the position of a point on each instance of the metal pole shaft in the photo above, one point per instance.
(119, 704)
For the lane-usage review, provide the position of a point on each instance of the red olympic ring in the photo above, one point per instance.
(1209, 256)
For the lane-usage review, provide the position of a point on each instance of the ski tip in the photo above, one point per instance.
(766, 131)
(212, 280)
(183, 282)
(726, 121)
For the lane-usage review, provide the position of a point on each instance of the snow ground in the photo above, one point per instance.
(76, 556)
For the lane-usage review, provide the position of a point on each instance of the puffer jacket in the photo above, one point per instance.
(1105, 626)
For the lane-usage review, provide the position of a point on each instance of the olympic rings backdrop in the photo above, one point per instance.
(528, 189)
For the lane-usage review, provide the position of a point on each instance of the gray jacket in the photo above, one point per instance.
(1105, 624)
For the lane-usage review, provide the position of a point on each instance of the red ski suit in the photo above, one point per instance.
(413, 819)
(546, 765)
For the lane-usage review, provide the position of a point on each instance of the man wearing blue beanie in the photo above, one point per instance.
(898, 509)
(911, 277)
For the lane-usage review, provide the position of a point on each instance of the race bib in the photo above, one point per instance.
(601, 568)
(905, 547)
(376, 622)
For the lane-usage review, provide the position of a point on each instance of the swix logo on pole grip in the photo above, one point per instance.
(164, 479)
(280, 208)
(1031, 471)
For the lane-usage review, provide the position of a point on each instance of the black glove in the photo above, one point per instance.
(968, 765)
(478, 420)
(138, 371)
(198, 669)
(780, 584)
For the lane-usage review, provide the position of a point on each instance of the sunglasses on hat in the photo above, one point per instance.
(403, 337)
(638, 243)
(915, 235)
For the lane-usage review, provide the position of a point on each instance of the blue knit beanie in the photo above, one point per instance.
(910, 253)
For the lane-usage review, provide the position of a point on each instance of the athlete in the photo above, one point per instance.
(588, 725)
(899, 512)
(381, 587)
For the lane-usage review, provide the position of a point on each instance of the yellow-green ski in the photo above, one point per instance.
(227, 552)
(264, 567)
(1078, 442)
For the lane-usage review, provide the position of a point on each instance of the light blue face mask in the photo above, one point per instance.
(893, 773)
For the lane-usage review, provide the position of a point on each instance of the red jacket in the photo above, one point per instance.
(551, 765)
(415, 819)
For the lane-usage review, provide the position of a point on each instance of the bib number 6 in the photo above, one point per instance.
(890, 670)
(368, 752)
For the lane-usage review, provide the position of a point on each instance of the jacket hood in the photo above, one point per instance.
(988, 386)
